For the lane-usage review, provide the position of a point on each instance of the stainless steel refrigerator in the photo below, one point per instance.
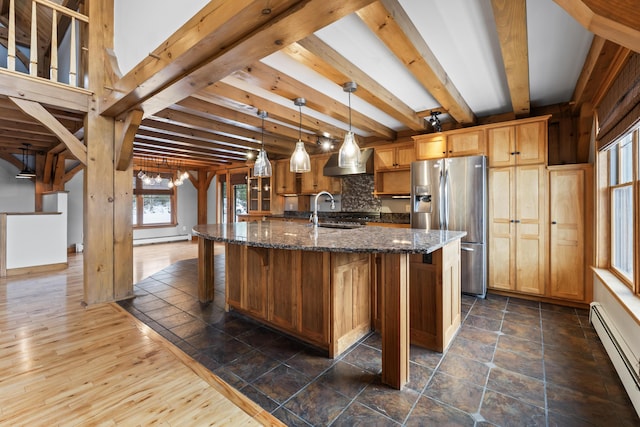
(451, 194)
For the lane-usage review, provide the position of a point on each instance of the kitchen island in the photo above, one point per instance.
(317, 283)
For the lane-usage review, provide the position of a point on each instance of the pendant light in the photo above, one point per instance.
(349, 154)
(262, 166)
(300, 161)
(26, 171)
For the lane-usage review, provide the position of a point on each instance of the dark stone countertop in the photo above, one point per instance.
(293, 236)
(381, 217)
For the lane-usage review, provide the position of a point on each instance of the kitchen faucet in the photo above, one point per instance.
(314, 216)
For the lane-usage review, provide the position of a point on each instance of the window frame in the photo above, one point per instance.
(138, 194)
(632, 282)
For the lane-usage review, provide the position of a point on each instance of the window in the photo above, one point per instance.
(154, 204)
(623, 161)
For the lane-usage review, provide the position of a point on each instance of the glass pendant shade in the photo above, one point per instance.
(262, 166)
(349, 155)
(26, 172)
(300, 161)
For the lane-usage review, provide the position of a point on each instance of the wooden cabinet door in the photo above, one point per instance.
(531, 147)
(314, 313)
(384, 158)
(566, 251)
(530, 229)
(285, 180)
(405, 154)
(501, 146)
(254, 282)
(351, 291)
(502, 268)
(430, 147)
(466, 144)
(284, 274)
(233, 268)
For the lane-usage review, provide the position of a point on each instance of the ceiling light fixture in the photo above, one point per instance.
(325, 142)
(349, 154)
(262, 166)
(434, 121)
(26, 171)
(300, 161)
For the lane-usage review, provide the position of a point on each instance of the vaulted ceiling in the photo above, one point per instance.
(479, 61)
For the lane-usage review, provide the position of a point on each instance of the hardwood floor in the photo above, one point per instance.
(65, 364)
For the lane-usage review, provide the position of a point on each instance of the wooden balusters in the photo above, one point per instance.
(57, 12)
(11, 48)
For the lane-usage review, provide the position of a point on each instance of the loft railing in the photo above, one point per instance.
(77, 20)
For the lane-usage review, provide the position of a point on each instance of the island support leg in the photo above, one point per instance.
(395, 319)
(206, 274)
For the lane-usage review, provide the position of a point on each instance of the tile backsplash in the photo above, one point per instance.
(357, 194)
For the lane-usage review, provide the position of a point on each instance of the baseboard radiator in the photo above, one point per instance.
(627, 364)
(161, 239)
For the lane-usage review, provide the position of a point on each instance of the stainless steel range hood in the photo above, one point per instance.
(366, 165)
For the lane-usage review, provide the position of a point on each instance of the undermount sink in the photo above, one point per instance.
(339, 225)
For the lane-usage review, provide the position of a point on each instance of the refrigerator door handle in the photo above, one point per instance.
(462, 248)
(441, 200)
(446, 198)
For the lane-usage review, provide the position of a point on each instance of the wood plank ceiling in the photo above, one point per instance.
(200, 91)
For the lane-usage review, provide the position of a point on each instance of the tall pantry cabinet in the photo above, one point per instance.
(518, 206)
(570, 238)
(517, 228)
(540, 241)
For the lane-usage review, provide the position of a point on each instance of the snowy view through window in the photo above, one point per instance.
(156, 209)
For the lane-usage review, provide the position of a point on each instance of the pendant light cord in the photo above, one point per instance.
(300, 127)
(349, 111)
(262, 131)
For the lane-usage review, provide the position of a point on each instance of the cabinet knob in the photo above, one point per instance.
(517, 221)
(553, 222)
(513, 153)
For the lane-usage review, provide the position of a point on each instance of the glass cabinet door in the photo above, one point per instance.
(265, 191)
(254, 194)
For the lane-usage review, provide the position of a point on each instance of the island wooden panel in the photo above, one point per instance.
(320, 297)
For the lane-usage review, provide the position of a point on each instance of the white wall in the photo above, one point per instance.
(16, 195)
(142, 25)
(75, 208)
(212, 201)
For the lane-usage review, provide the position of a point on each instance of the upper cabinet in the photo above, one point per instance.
(518, 144)
(450, 144)
(285, 180)
(259, 194)
(394, 156)
(313, 182)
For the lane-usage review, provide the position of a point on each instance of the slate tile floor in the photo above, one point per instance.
(513, 363)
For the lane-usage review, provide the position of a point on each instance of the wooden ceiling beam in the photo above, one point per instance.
(511, 23)
(326, 61)
(261, 75)
(190, 159)
(618, 21)
(152, 143)
(241, 119)
(206, 124)
(388, 20)
(221, 38)
(173, 130)
(230, 96)
(188, 141)
(44, 92)
(38, 112)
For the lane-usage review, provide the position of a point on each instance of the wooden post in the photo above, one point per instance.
(395, 319)
(33, 59)
(206, 274)
(108, 236)
(11, 48)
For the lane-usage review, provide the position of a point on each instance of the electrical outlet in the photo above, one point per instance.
(407, 208)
